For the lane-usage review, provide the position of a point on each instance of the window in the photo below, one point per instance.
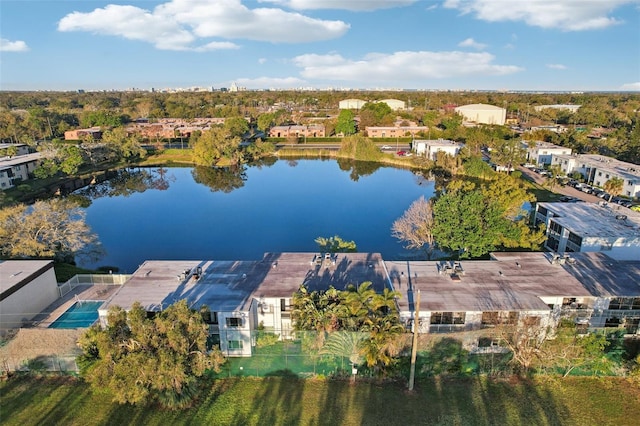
(210, 317)
(499, 317)
(234, 322)
(283, 305)
(553, 243)
(555, 228)
(542, 211)
(624, 303)
(448, 317)
(576, 240)
(599, 173)
(234, 344)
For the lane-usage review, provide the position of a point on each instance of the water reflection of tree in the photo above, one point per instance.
(130, 181)
(264, 162)
(358, 168)
(225, 179)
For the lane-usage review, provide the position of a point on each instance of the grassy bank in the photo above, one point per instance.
(284, 401)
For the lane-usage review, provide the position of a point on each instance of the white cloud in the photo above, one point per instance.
(262, 60)
(401, 66)
(557, 66)
(353, 5)
(567, 15)
(179, 24)
(13, 46)
(473, 44)
(631, 86)
(270, 82)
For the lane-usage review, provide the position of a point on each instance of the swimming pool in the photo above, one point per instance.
(81, 314)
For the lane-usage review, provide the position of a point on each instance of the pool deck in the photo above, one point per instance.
(81, 292)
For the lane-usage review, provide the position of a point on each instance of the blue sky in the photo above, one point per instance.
(577, 45)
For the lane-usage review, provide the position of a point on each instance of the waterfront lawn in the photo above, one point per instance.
(25, 400)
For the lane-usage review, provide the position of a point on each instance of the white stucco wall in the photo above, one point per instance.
(29, 301)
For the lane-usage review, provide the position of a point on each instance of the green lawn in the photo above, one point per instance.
(289, 401)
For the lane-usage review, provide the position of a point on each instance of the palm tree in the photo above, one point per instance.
(346, 344)
(614, 187)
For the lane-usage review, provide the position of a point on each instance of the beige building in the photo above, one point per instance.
(26, 288)
(394, 104)
(483, 114)
(78, 134)
(351, 104)
(301, 130)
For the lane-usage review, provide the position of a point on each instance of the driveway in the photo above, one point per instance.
(564, 190)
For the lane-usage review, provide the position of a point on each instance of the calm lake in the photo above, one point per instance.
(204, 213)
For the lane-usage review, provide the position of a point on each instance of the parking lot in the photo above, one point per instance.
(567, 190)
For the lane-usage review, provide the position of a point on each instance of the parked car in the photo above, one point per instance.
(568, 199)
(401, 153)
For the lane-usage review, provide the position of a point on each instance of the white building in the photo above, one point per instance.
(516, 288)
(475, 295)
(562, 107)
(598, 169)
(483, 114)
(430, 148)
(21, 148)
(351, 104)
(540, 152)
(589, 227)
(394, 104)
(394, 131)
(26, 288)
(243, 295)
(17, 169)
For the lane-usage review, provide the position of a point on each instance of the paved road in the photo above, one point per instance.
(564, 190)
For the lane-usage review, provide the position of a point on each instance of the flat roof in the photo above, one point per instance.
(622, 168)
(545, 145)
(438, 142)
(603, 276)
(596, 220)
(19, 159)
(231, 285)
(510, 282)
(15, 274)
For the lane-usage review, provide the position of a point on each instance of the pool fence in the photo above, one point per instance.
(92, 279)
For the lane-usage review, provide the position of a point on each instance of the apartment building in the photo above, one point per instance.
(540, 152)
(598, 169)
(430, 148)
(472, 296)
(589, 227)
(17, 169)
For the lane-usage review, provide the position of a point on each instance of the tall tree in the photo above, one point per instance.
(52, 228)
(212, 145)
(507, 152)
(236, 126)
(346, 124)
(614, 187)
(141, 360)
(415, 227)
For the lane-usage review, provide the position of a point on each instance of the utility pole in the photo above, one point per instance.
(414, 346)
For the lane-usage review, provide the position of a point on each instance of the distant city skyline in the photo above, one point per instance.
(537, 45)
